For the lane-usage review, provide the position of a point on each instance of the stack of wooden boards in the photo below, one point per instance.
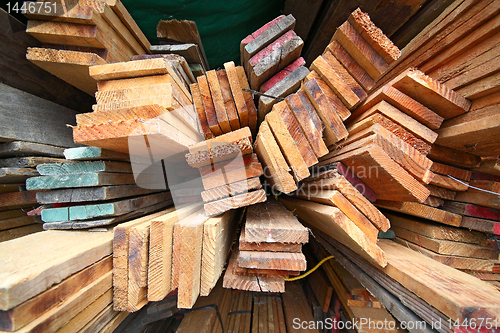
(296, 133)
(91, 188)
(416, 288)
(459, 49)
(334, 286)
(182, 38)
(391, 134)
(328, 201)
(229, 170)
(269, 249)
(77, 35)
(221, 104)
(249, 312)
(174, 249)
(143, 108)
(65, 283)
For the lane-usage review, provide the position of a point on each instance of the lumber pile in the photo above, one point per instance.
(182, 38)
(334, 286)
(463, 58)
(269, 250)
(82, 34)
(93, 188)
(65, 284)
(229, 171)
(179, 248)
(271, 58)
(413, 294)
(137, 100)
(393, 130)
(221, 103)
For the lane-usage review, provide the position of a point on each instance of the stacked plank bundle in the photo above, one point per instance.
(391, 133)
(136, 100)
(229, 170)
(296, 133)
(175, 249)
(93, 188)
(333, 285)
(271, 57)
(18, 160)
(221, 104)
(356, 58)
(407, 287)
(331, 203)
(269, 249)
(65, 284)
(182, 38)
(79, 34)
(459, 49)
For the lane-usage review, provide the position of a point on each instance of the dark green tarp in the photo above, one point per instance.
(222, 24)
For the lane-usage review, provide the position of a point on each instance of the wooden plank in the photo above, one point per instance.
(309, 122)
(245, 245)
(22, 148)
(282, 74)
(94, 153)
(231, 189)
(218, 101)
(241, 200)
(232, 114)
(333, 222)
(27, 162)
(10, 234)
(436, 96)
(446, 247)
(23, 314)
(36, 112)
(332, 97)
(239, 98)
(189, 231)
(481, 199)
(292, 298)
(488, 226)
(16, 222)
(271, 157)
(487, 185)
(344, 74)
(271, 222)
(200, 111)
(17, 199)
(374, 36)
(335, 82)
(453, 157)
(285, 87)
(404, 103)
(189, 51)
(420, 210)
(80, 35)
(63, 167)
(401, 118)
(218, 233)
(268, 36)
(334, 129)
(360, 50)
(79, 180)
(390, 180)
(448, 183)
(451, 261)
(296, 133)
(229, 172)
(287, 145)
(336, 199)
(437, 231)
(272, 260)
(444, 169)
(160, 251)
(252, 110)
(58, 256)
